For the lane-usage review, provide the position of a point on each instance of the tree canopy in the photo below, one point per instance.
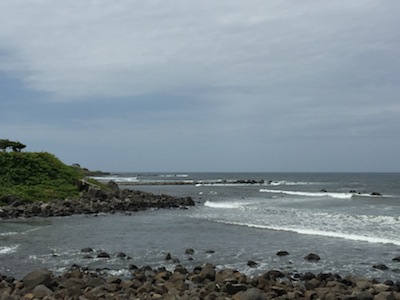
(14, 146)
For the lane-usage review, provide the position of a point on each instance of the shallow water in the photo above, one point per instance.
(238, 222)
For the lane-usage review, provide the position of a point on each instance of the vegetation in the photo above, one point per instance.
(15, 146)
(34, 176)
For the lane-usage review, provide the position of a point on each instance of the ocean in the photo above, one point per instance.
(352, 221)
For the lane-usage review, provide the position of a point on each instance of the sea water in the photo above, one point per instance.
(352, 221)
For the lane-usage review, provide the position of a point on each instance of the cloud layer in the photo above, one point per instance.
(199, 79)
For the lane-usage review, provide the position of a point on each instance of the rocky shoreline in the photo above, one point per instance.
(93, 201)
(203, 282)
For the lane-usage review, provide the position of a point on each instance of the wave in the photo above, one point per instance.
(8, 233)
(310, 194)
(224, 204)
(8, 249)
(115, 178)
(341, 235)
(174, 175)
(284, 182)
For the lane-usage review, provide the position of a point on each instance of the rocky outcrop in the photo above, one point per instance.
(203, 282)
(94, 201)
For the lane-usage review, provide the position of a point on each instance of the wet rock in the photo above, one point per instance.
(252, 264)
(168, 257)
(189, 251)
(120, 255)
(397, 258)
(282, 253)
(312, 257)
(87, 249)
(381, 267)
(103, 255)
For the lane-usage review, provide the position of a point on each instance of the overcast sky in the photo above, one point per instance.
(204, 85)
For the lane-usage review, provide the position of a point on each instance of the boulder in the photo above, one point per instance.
(312, 257)
(282, 253)
(252, 264)
(397, 258)
(189, 251)
(380, 267)
(253, 294)
(87, 249)
(37, 277)
(103, 255)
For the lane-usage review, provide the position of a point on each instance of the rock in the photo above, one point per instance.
(381, 267)
(312, 257)
(208, 272)
(253, 294)
(273, 274)
(120, 255)
(282, 253)
(252, 264)
(86, 250)
(40, 291)
(376, 194)
(189, 251)
(103, 255)
(397, 258)
(232, 289)
(365, 296)
(37, 277)
(168, 256)
(210, 251)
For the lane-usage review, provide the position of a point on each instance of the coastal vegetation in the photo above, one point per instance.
(31, 176)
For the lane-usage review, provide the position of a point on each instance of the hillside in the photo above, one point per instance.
(34, 176)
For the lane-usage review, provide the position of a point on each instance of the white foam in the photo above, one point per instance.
(309, 194)
(333, 234)
(284, 182)
(8, 249)
(8, 233)
(223, 204)
(116, 178)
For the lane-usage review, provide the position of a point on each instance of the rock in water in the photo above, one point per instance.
(312, 257)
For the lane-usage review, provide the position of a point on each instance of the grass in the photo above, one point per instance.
(34, 176)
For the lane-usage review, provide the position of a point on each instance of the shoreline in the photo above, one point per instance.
(202, 282)
(94, 201)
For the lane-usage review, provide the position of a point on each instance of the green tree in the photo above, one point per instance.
(15, 146)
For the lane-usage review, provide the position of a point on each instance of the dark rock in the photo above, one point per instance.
(375, 194)
(189, 251)
(388, 282)
(103, 255)
(312, 257)
(397, 258)
(273, 274)
(168, 256)
(307, 276)
(381, 267)
(210, 251)
(120, 255)
(88, 249)
(282, 253)
(232, 289)
(37, 277)
(252, 264)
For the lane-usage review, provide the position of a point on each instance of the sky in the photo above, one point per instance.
(204, 86)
